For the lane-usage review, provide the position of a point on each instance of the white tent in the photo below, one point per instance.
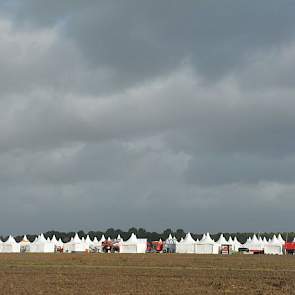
(129, 246)
(88, 243)
(54, 240)
(273, 247)
(169, 238)
(187, 245)
(41, 245)
(133, 245)
(96, 243)
(222, 241)
(207, 245)
(170, 244)
(75, 245)
(254, 244)
(25, 244)
(10, 246)
(235, 244)
(281, 240)
(141, 245)
(58, 244)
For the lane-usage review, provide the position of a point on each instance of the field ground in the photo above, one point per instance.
(146, 274)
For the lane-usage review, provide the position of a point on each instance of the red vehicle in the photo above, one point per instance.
(154, 247)
(110, 246)
(289, 247)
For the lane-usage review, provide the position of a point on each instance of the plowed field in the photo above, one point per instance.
(146, 274)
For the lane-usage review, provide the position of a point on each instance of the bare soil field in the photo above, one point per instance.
(146, 274)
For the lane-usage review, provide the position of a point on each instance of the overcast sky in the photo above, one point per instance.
(159, 113)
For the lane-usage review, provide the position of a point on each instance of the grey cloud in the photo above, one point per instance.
(161, 113)
(215, 170)
(142, 39)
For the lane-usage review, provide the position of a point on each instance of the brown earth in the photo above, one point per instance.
(146, 274)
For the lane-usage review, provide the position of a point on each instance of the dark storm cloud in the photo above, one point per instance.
(176, 109)
(141, 39)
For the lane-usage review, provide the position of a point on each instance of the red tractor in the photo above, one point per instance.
(110, 246)
(289, 247)
(154, 247)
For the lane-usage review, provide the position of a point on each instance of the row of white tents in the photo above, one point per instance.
(206, 245)
(76, 244)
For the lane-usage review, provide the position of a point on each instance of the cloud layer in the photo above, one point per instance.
(158, 114)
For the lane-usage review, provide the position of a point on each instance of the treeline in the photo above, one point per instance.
(152, 236)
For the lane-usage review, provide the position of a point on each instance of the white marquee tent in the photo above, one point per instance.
(10, 246)
(75, 245)
(207, 245)
(254, 244)
(58, 244)
(41, 245)
(274, 246)
(235, 244)
(186, 245)
(133, 245)
(25, 244)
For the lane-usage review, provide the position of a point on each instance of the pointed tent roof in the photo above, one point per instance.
(236, 242)
(254, 239)
(222, 240)
(41, 239)
(203, 237)
(102, 239)
(170, 240)
(281, 240)
(10, 240)
(88, 240)
(58, 243)
(207, 239)
(54, 240)
(275, 241)
(188, 239)
(132, 239)
(76, 239)
(25, 240)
